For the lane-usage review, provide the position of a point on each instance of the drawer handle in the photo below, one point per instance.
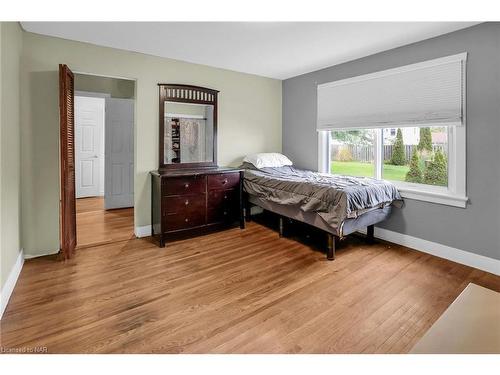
(224, 181)
(186, 185)
(186, 202)
(186, 220)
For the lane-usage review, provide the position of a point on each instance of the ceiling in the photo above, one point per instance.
(272, 49)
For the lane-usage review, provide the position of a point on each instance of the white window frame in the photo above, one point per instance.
(455, 194)
(452, 195)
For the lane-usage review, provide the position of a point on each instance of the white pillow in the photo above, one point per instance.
(267, 160)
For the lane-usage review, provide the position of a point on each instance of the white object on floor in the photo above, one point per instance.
(471, 324)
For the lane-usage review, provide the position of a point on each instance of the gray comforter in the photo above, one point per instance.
(334, 197)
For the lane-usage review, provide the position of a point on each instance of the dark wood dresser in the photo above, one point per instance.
(190, 202)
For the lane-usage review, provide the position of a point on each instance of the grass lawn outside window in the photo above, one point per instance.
(360, 169)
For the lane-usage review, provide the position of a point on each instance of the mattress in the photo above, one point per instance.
(334, 198)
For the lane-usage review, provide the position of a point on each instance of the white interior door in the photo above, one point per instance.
(89, 150)
(119, 153)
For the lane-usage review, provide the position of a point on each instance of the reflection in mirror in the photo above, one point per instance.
(189, 133)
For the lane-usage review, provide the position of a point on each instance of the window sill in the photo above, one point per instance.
(439, 197)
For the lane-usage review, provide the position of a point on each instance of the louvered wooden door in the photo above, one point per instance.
(67, 145)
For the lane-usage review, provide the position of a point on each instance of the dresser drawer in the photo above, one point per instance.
(192, 202)
(226, 198)
(184, 203)
(184, 220)
(221, 214)
(184, 185)
(223, 180)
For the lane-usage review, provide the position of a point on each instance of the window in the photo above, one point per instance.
(413, 135)
(414, 155)
(352, 152)
(415, 159)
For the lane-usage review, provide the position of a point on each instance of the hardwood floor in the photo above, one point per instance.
(236, 291)
(96, 226)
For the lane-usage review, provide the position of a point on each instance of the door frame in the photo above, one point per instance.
(61, 189)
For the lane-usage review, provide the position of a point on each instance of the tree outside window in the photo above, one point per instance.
(416, 155)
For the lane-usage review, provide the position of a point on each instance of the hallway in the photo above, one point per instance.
(98, 226)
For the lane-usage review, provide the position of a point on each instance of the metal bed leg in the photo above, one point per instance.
(330, 255)
(282, 226)
(248, 205)
(370, 237)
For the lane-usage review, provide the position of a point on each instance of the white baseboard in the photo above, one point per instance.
(144, 231)
(11, 281)
(44, 254)
(442, 251)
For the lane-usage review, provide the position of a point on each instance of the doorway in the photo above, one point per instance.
(104, 159)
(89, 144)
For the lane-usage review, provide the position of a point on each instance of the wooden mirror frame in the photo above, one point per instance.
(186, 94)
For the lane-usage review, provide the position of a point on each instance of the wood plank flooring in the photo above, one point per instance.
(236, 291)
(96, 226)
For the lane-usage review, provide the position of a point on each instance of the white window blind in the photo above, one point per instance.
(422, 94)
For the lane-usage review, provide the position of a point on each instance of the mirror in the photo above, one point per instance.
(188, 133)
(188, 126)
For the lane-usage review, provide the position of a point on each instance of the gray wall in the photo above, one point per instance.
(475, 229)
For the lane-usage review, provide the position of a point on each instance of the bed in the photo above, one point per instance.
(339, 205)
